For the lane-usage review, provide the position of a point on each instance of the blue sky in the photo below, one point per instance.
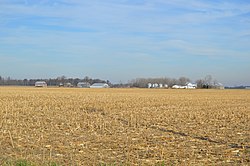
(126, 39)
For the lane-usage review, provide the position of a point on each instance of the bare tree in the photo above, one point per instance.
(208, 80)
(200, 83)
(86, 79)
(183, 80)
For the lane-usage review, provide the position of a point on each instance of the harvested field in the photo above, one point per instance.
(124, 126)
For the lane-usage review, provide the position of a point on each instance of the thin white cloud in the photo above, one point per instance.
(150, 30)
(107, 15)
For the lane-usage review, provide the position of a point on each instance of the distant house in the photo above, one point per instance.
(187, 86)
(191, 86)
(68, 84)
(40, 84)
(219, 86)
(99, 85)
(156, 85)
(177, 87)
(83, 85)
(61, 85)
(149, 85)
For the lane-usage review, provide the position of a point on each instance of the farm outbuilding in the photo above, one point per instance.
(40, 84)
(156, 85)
(68, 84)
(83, 85)
(149, 85)
(177, 87)
(191, 86)
(187, 86)
(219, 86)
(61, 85)
(99, 85)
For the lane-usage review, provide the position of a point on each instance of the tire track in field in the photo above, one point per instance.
(162, 129)
(232, 145)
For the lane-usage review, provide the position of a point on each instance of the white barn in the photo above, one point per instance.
(40, 84)
(99, 85)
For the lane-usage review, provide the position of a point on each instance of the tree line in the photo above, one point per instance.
(206, 82)
(51, 81)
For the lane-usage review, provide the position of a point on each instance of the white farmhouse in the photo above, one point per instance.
(191, 86)
(156, 85)
(149, 85)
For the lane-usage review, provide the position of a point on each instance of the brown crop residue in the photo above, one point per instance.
(124, 126)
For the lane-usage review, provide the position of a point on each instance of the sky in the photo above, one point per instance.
(119, 40)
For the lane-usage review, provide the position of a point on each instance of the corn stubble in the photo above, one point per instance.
(124, 126)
